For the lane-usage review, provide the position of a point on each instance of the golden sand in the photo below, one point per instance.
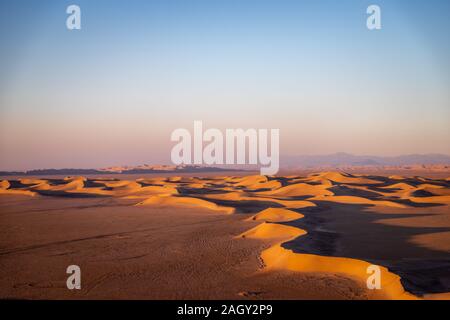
(280, 201)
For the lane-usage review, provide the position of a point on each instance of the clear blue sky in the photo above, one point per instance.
(112, 92)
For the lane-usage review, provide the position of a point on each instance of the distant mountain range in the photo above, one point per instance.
(144, 169)
(346, 159)
(336, 160)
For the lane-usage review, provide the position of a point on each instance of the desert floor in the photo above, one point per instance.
(244, 237)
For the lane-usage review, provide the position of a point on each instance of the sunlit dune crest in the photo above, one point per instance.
(277, 257)
(277, 215)
(273, 231)
(4, 184)
(356, 200)
(299, 189)
(342, 178)
(184, 202)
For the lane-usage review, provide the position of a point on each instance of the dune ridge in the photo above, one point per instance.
(184, 202)
(277, 215)
(277, 257)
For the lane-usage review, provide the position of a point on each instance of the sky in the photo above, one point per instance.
(112, 92)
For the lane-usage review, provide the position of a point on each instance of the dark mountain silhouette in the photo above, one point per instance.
(124, 170)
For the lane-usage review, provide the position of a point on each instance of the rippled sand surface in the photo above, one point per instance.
(246, 237)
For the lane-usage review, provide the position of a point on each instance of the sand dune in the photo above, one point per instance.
(435, 199)
(277, 215)
(248, 181)
(342, 178)
(356, 200)
(325, 223)
(32, 181)
(277, 257)
(273, 231)
(184, 202)
(273, 184)
(17, 192)
(299, 189)
(4, 184)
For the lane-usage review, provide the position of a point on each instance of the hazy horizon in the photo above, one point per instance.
(111, 93)
(285, 162)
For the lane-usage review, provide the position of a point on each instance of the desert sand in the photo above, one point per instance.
(229, 237)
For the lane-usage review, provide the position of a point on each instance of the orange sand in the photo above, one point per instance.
(284, 207)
